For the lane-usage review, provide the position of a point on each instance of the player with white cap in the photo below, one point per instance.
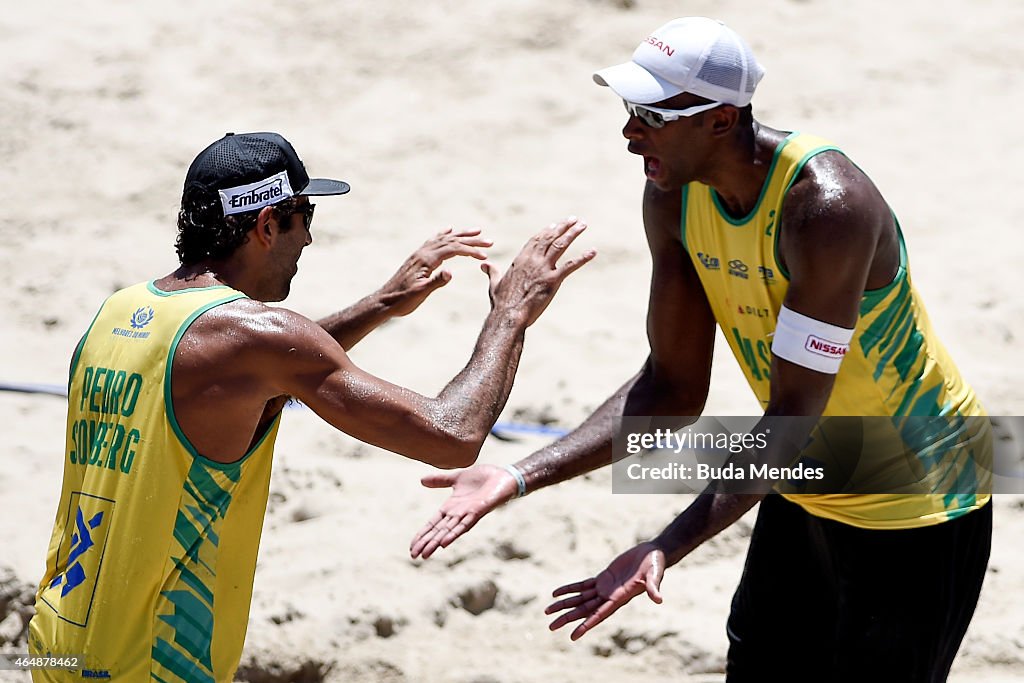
(700, 56)
(786, 245)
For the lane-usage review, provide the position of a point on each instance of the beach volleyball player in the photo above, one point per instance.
(175, 400)
(784, 243)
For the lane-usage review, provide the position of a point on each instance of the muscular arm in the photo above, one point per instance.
(673, 380)
(446, 430)
(240, 356)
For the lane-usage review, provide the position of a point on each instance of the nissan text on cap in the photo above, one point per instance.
(697, 55)
(252, 170)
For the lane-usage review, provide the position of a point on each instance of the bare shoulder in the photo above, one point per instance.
(231, 371)
(833, 199)
(252, 352)
(836, 223)
(248, 329)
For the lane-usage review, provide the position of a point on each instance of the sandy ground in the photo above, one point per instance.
(478, 114)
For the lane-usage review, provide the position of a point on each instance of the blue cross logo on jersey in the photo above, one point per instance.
(81, 543)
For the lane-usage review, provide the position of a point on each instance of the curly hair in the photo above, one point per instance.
(205, 233)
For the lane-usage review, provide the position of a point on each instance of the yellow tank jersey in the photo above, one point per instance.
(150, 565)
(895, 368)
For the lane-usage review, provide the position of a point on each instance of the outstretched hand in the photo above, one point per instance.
(475, 492)
(416, 278)
(535, 274)
(638, 570)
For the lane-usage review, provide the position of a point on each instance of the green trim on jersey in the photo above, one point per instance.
(872, 297)
(169, 402)
(153, 289)
(764, 188)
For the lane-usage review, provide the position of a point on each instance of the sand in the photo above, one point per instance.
(478, 114)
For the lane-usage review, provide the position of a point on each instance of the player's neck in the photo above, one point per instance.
(744, 169)
(202, 274)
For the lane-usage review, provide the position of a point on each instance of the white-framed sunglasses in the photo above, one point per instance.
(656, 117)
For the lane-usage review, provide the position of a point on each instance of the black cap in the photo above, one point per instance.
(253, 170)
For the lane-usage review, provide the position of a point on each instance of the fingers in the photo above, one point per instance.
(438, 280)
(574, 601)
(440, 480)
(565, 233)
(422, 540)
(605, 610)
(475, 249)
(465, 232)
(553, 242)
(588, 605)
(423, 543)
(596, 599)
(577, 587)
(422, 537)
(450, 243)
(440, 532)
(557, 237)
(462, 526)
(580, 605)
(425, 546)
(583, 611)
(555, 230)
(453, 234)
(572, 265)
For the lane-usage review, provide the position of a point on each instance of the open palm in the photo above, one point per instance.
(475, 492)
(638, 570)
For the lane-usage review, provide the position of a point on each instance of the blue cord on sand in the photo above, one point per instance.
(500, 428)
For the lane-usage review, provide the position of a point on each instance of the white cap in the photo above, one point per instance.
(693, 54)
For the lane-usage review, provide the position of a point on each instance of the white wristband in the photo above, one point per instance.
(518, 476)
(811, 343)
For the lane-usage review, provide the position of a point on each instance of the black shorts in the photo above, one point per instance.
(827, 602)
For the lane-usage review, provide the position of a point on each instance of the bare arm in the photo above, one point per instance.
(236, 363)
(414, 281)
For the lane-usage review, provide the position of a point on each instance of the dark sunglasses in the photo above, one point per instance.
(307, 214)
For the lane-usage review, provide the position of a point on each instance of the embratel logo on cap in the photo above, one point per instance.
(256, 195)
